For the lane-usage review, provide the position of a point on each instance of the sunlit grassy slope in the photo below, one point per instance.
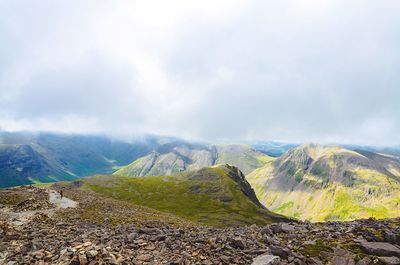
(210, 196)
(329, 183)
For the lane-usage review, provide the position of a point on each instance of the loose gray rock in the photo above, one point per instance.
(390, 260)
(280, 251)
(238, 242)
(266, 260)
(68, 239)
(342, 257)
(364, 261)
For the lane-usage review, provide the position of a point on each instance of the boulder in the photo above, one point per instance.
(364, 261)
(342, 257)
(143, 257)
(91, 254)
(82, 259)
(266, 260)
(282, 228)
(342, 260)
(238, 242)
(392, 237)
(380, 249)
(316, 261)
(266, 231)
(287, 228)
(390, 260)
(132, 236)
(280, 251)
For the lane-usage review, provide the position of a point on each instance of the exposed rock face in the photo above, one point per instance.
(246, 188)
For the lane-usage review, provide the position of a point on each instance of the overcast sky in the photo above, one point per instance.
(312, 70)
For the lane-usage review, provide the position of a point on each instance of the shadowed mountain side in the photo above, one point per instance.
(27, 158)
(23, 163)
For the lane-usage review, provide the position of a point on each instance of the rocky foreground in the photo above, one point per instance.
(34, 230)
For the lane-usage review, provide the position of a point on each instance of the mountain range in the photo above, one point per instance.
(309, 181)
(322, 183)
(180, 156)
(27, 158)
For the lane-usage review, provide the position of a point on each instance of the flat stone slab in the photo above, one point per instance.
(266, 260)
(380, 249)
(390, 260)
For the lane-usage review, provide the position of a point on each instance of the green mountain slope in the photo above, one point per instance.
(322, 183)
(218, 195)
(180, 156)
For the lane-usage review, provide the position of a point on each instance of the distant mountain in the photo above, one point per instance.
(274, 149)
(24, 163)
(27, 158)
(322, 183)
(217, 195)
(174, 157)
(392, 151)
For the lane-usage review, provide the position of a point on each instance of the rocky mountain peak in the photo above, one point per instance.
(237, 175)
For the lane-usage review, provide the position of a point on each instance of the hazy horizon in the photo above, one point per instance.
(212, 71)
(142, 137)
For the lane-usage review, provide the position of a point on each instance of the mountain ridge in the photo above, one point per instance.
(322, 183)
(173, 159)
(214, 195)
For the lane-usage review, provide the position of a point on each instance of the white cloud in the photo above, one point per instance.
(291, 70)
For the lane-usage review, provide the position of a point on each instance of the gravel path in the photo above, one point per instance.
(19, 218)
(64, 202)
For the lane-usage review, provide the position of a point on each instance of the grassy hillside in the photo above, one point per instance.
(214, 196)
(180, 156)
(322, 183)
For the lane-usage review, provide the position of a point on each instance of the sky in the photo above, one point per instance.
(300, 71)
